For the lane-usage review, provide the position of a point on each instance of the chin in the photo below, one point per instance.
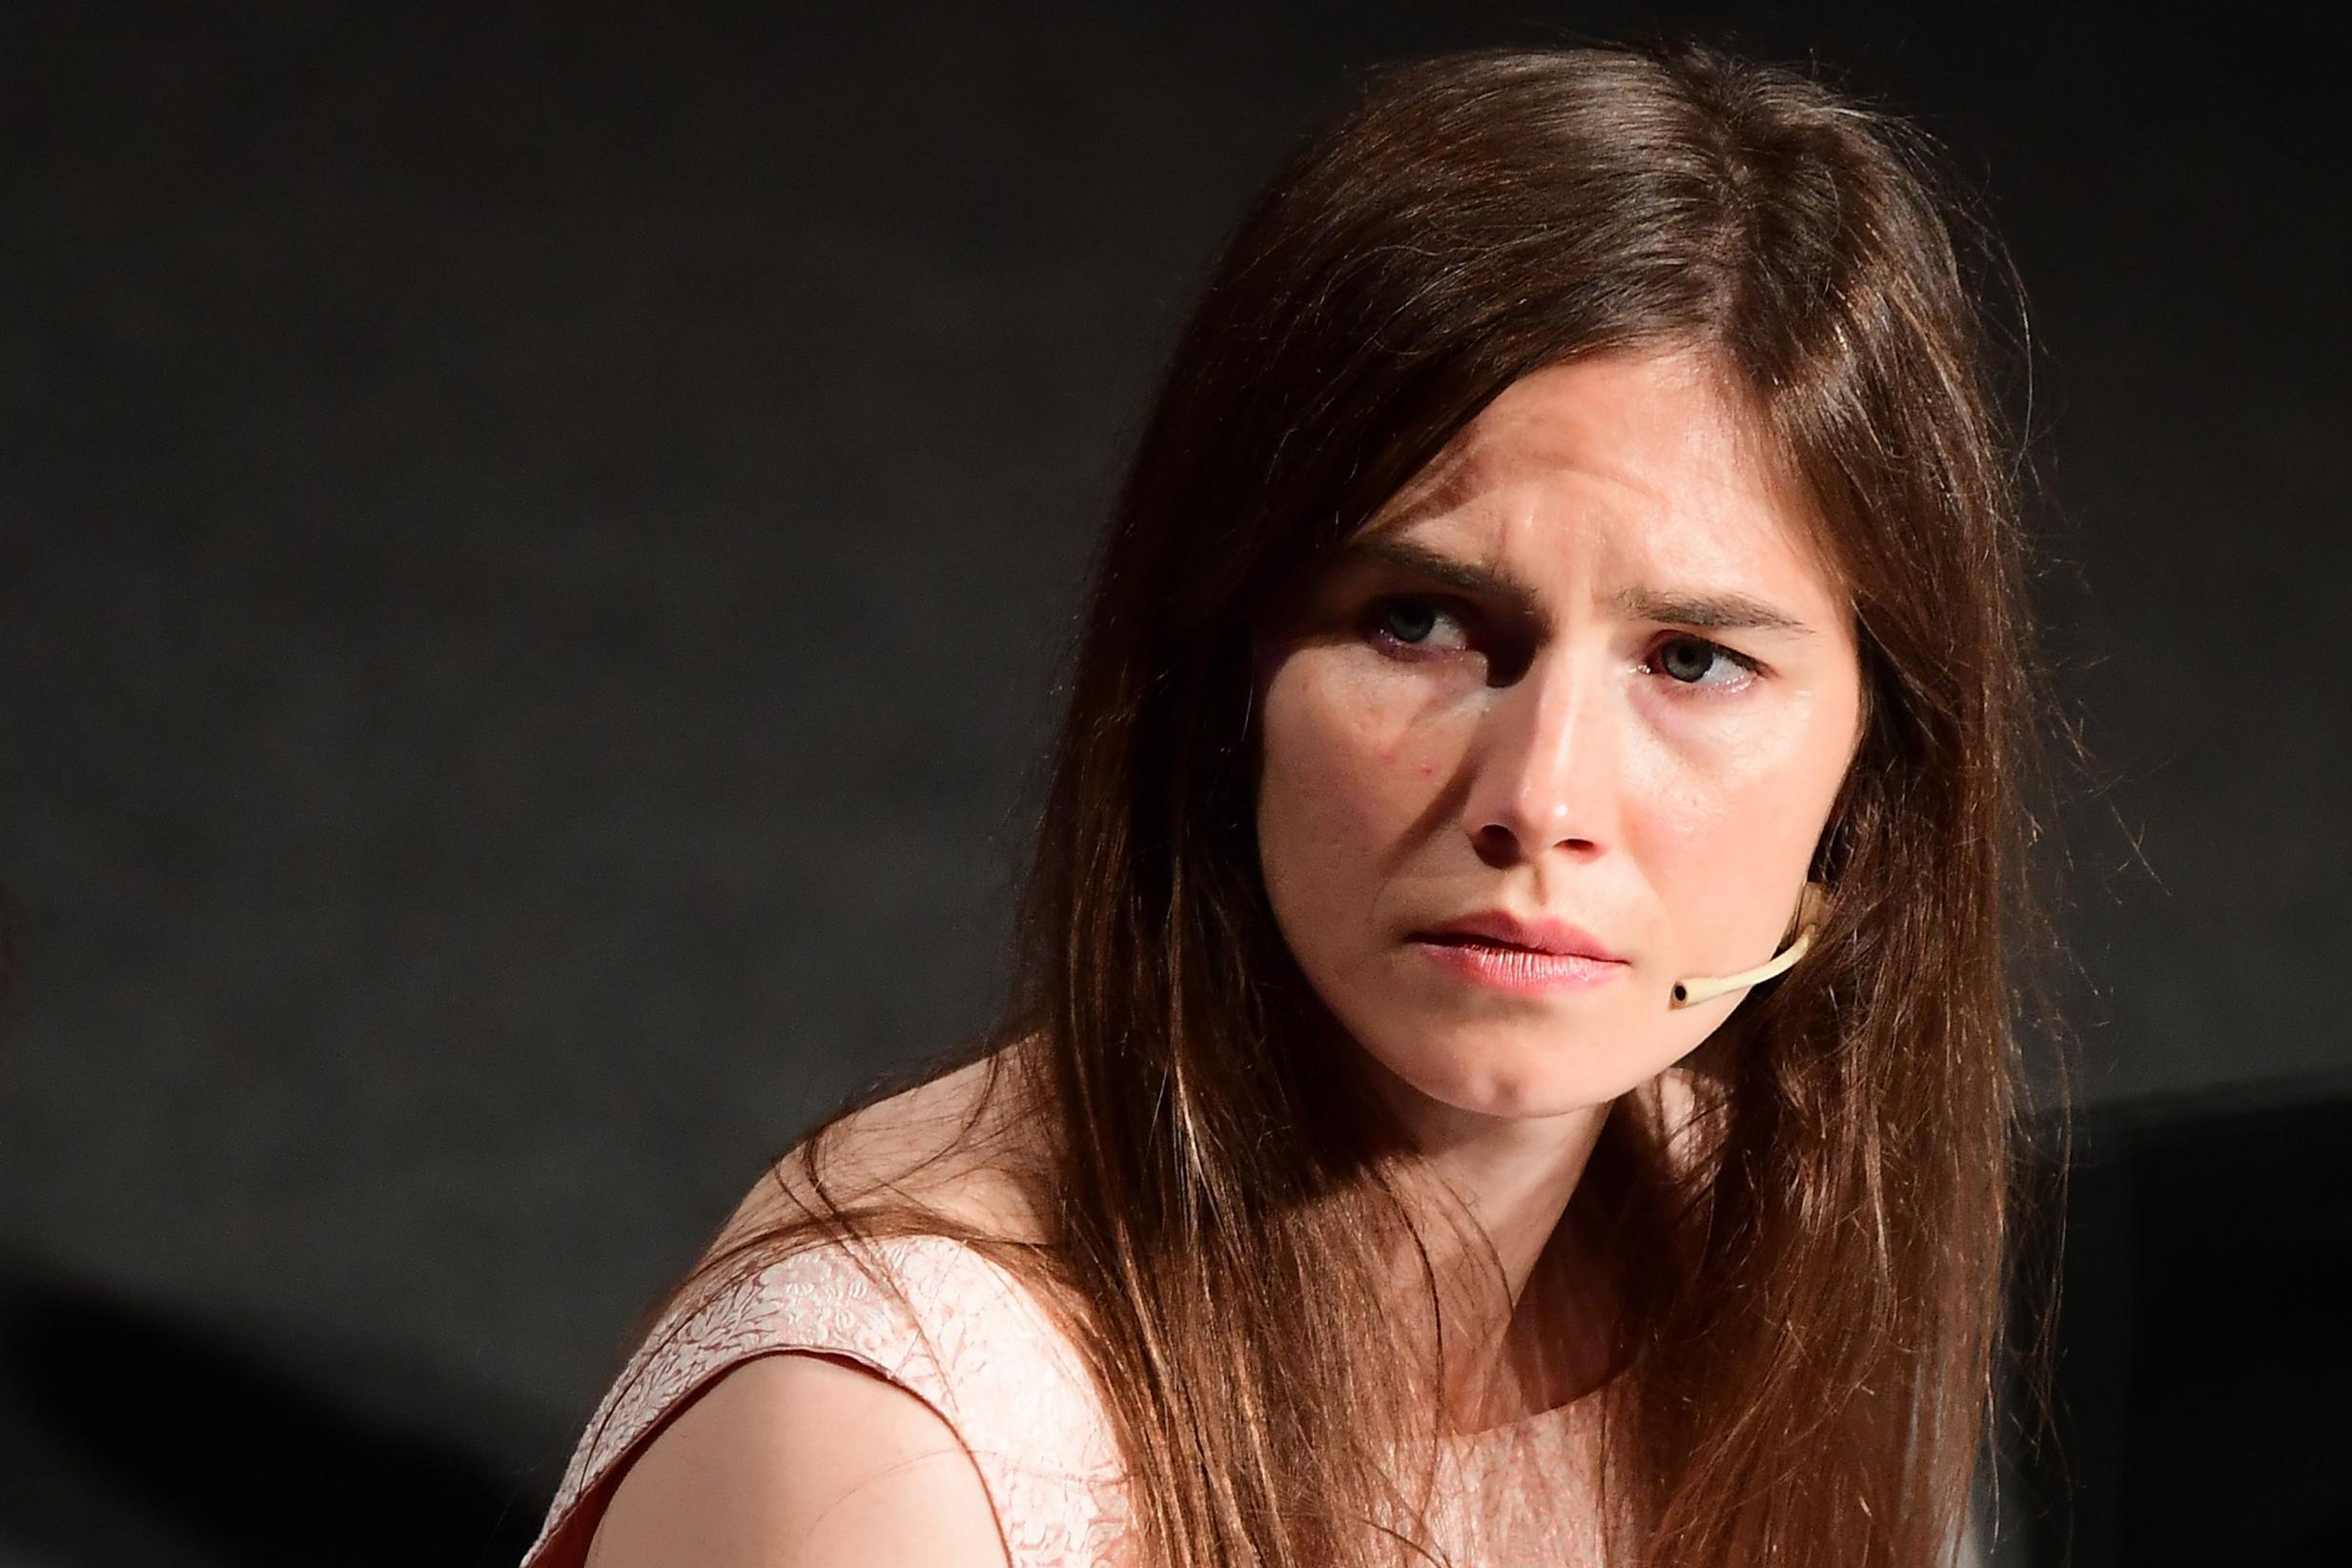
(1505, 1073)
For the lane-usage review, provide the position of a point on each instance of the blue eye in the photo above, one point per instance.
(1686, 659)
(1407, 621)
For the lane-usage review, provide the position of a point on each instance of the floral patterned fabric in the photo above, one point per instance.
(972, 1343)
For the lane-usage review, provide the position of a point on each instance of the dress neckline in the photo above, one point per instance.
(1543, 1422)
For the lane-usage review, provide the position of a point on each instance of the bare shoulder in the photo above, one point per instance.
(940, 1143)
(803, 1459)
(801, 1456)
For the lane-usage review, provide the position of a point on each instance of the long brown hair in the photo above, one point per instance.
(1810, 1310)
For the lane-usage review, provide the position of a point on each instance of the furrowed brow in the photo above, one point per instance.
(1726, 611)
(1494, 581)
(1711, 611)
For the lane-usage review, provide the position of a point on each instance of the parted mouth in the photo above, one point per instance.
(1502, 929)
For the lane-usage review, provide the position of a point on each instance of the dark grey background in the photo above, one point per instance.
(536, 547)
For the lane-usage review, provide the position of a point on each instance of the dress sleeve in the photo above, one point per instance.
(968, 1339)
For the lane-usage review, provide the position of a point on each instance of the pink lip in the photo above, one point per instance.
(1518, 970)
(1506, 929)
(1529, 958)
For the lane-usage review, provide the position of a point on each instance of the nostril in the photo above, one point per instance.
(1496, 844)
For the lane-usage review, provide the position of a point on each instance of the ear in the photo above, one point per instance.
(1812, 906)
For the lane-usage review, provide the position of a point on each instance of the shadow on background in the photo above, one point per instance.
(128, 1436)
(2205, 1370)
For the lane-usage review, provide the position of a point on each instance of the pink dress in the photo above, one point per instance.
(1012, 1387)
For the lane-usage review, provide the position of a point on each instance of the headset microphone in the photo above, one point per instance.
(1690, 993)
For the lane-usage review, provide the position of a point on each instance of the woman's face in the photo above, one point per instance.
(1581, 669)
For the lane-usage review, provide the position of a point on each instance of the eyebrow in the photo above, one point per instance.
(1727, 610)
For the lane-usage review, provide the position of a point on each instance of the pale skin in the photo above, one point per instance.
(1495, 702)
(1559, 748)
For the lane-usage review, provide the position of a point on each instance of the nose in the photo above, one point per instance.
(1543, 775)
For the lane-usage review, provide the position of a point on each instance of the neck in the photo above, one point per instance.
(1507, 1350)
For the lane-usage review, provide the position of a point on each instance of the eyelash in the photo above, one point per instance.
(1379, 607)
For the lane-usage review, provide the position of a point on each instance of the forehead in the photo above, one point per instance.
(1651, 462)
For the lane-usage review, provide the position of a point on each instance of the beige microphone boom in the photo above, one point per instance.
(1690, 993)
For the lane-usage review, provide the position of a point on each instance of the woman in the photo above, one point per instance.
(1510, 1058)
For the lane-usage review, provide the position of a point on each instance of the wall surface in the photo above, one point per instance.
(534, 553)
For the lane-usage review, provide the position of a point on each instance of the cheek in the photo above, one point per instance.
(1346, 776)
(1735, 829)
